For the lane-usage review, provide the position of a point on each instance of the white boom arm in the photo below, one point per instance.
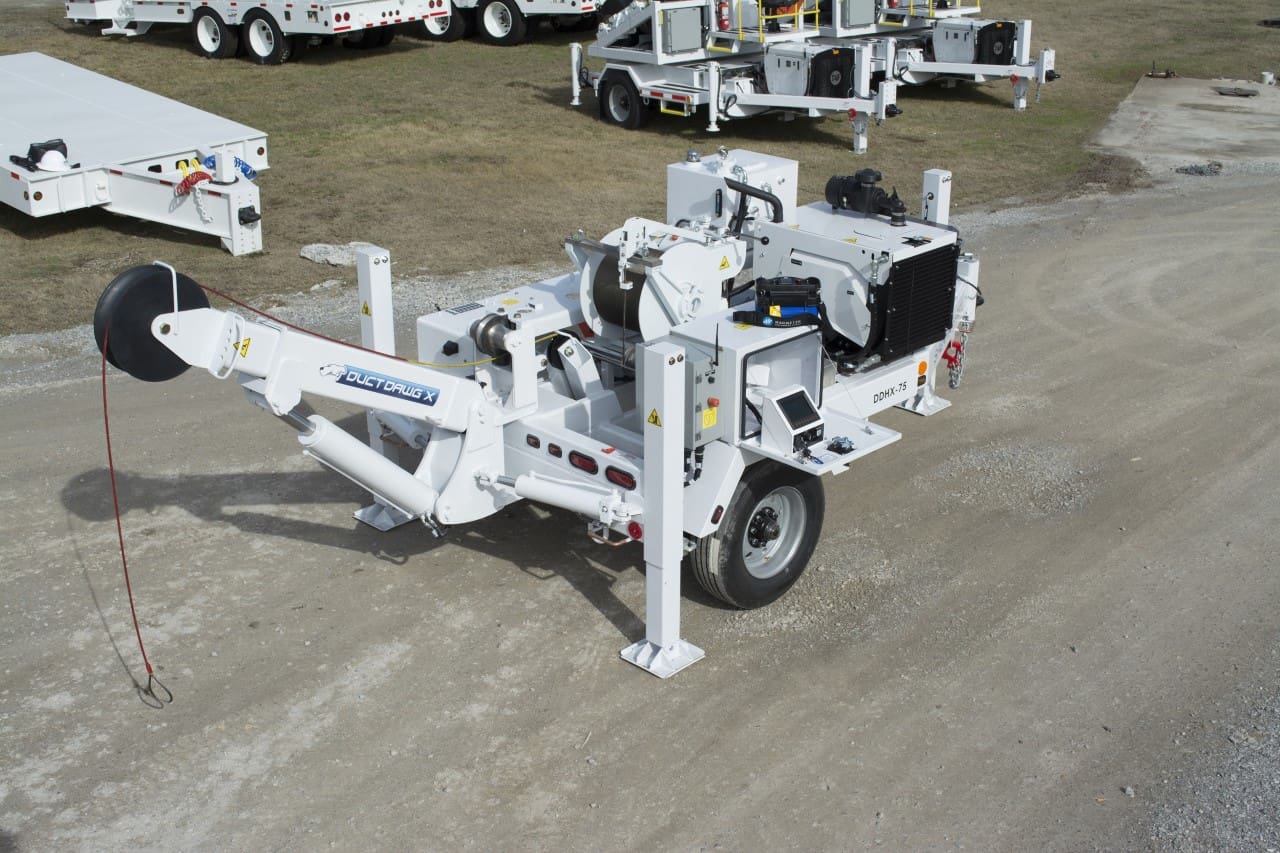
(292, 363)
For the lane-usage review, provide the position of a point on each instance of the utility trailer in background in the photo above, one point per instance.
(689, 385)
(71, 139)
(740, 58)
(268, 31)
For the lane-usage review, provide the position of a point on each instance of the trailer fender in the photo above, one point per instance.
(707, 498)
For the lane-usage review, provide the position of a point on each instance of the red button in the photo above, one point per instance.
(713, 402)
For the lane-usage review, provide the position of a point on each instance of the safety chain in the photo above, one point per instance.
(205, 217)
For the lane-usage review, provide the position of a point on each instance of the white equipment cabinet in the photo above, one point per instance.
(740, 58)
(269, 32)
(126, 150)
(689, 384)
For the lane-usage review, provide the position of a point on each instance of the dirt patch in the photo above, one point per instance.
(1114, 173)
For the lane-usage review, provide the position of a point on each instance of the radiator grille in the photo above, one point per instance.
(919, 304)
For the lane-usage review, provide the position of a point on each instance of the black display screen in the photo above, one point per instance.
(797, 409)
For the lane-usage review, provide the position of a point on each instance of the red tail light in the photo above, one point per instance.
(583, 461)
(619, 478)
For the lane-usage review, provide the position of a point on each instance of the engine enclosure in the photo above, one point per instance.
(887, 290)
(983, 42)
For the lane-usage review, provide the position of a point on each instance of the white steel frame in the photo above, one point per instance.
(124, 146)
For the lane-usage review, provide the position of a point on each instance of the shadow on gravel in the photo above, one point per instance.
(544, 543)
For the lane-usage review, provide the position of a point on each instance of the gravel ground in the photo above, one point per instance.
(1216, 786)
(1228, 795)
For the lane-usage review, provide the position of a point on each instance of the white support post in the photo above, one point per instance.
(713, 107)
(377, 323)
(935, 202)
(1021, 86)
(1022, 49)
(378, 333)
(859, 124)
(662, 652)
(1022, 58)
(575, 70)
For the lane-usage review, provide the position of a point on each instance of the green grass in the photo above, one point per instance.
(462, 156)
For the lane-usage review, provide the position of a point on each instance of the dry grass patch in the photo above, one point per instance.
(461, 156)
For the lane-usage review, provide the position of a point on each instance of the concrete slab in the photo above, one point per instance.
(1166, 123)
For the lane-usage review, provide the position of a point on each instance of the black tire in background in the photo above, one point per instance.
(502, 23)
(211, 35)
(620, 102)
(456, 25)
(263, 40)
(370, 38)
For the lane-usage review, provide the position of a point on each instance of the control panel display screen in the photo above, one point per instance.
(798, 410)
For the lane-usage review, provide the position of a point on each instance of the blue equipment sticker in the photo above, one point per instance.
(367, 380)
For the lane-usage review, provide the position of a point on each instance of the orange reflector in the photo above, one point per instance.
(922, 368)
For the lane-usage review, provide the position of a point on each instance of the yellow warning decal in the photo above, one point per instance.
(654, 419)
(741, 326)
(243, 347)
(364, 309)
(511, 302)
(724, 262)
(709, 418)
(853, 240)
(775, 311)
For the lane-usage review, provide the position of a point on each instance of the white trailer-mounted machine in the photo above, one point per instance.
(71, 139)
(688, 384)
(270, 32)
(739, 58)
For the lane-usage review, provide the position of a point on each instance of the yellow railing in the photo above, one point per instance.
(797, 17)
(926, 8)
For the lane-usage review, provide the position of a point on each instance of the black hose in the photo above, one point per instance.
(744, 190)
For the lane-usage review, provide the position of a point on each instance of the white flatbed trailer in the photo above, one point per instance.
(126, 149)
(269, 32)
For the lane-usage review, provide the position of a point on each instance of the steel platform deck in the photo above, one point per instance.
(125, 146)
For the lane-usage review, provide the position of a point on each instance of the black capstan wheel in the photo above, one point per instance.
(123, 320)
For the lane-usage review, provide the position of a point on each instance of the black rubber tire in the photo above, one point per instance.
(450, 28)
(264, 42)
(620, 102)
(359, 40)
(122, 321)
(212, 37)
(370, 39)
(573, 23)
(491, 17)
(719, 562)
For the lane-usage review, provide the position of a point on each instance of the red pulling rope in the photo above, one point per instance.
(296, 328)
(152, 681)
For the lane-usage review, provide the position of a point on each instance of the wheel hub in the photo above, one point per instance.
(764, 528)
